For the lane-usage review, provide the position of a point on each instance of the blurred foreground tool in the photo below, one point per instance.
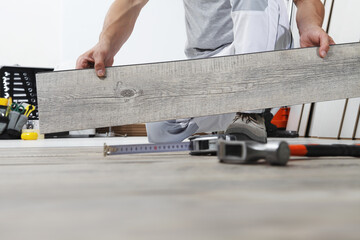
(278, 153)
(250, 152)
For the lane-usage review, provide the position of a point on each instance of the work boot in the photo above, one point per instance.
(273, 131)
(248, 126)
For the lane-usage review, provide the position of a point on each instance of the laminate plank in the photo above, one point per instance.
(78, 99)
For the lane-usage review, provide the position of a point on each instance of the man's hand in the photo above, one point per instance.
(316, 36)
(309, 17)
(118, 26)
(98, 57)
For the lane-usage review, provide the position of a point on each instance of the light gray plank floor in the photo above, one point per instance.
(75, 193)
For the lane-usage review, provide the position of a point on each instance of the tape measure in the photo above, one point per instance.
(197, 145)
(145, 148)
(231, 151)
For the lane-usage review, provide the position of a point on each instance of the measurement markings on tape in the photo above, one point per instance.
(197, 145)
(146, 148)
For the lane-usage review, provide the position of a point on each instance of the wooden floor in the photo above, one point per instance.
(73, 192)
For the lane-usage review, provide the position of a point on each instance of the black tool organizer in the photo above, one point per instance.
(20, 84)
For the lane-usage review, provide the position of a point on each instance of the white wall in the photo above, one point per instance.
(30, 32)
(345, 21)
(159, 34)
(54, 33)
(82, 22)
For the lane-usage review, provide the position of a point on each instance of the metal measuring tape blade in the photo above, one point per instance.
(197, 145)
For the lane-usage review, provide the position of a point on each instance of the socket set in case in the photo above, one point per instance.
(20, 84)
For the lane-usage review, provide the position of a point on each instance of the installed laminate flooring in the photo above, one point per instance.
(66, 189)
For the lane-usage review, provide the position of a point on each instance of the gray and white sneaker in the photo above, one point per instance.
(248, 126)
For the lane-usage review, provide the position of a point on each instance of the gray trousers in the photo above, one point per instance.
(254, 31)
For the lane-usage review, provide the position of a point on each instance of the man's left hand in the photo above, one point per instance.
(316, 36)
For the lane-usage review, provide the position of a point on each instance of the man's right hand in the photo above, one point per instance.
(98, 57)
(118, 25)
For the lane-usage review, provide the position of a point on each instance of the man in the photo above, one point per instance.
(215, 28)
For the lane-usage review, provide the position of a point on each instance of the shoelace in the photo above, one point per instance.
(248, 117)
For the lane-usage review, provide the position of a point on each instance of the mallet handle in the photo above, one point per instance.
(325, 150)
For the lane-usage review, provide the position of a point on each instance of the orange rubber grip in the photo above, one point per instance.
(298, 150)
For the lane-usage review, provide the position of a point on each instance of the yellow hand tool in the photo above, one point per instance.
(29, 136)
(28, 110)
(9, 106)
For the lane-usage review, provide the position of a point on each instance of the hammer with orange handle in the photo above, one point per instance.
(278, 153)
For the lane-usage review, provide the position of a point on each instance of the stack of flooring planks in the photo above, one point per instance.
(138, 130)
(74, 100)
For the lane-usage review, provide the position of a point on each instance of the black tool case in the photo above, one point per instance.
(20, 84)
